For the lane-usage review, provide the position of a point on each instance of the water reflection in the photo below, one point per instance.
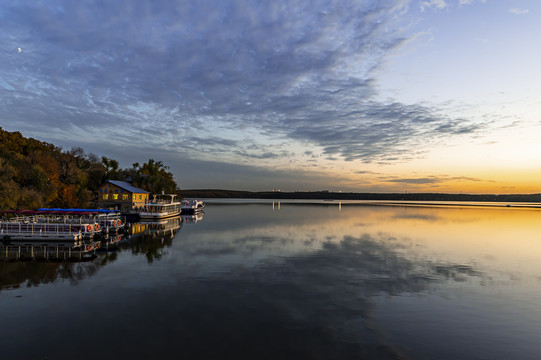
(308, 281)
(39, 263)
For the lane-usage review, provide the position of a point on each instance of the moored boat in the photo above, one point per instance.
(191, 207)
(161, 207)
(26, 225)
(106, 220)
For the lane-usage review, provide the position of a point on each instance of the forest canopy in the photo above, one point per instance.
(36, 174)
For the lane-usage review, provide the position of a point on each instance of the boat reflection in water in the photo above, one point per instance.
(134, 237)
(32, 263)
(151, 238)
(194, 218)
(59, 250)
(164, 227)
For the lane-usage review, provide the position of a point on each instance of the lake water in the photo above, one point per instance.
(269, 280)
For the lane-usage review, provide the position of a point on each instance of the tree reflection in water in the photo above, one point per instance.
(33, 273)
(151, 240)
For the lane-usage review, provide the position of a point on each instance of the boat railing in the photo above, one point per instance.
(161, 199)
(47, 224)
(11, 228)
(87, 224)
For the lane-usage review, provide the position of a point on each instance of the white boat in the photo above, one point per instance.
(191, 207)
(161, 206)
(104, 221)
(36, 225)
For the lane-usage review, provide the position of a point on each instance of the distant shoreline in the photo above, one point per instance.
(328, 195)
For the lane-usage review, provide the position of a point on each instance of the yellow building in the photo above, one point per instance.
(121, 195)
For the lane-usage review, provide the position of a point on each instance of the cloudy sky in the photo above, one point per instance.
(351, 95)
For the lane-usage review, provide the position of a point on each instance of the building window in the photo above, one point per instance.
(124, 196)
(140, 197)
(115, 196)
(116, 190)
(105, 196)
(101, 190)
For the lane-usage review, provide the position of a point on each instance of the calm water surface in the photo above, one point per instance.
(300, 281)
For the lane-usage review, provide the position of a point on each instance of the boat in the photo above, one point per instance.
(161, 207)
(37, 225)
(192, 207)
(105, 220)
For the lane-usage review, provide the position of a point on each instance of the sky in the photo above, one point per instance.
(339, 95)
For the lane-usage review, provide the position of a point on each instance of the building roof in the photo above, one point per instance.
(126, 186)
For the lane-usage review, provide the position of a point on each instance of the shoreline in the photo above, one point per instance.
(342, 196)
(396, 203)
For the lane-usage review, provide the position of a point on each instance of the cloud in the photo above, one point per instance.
(373, 131)
(225, 82)
(264, 155)
(443, 4)
(469, 2)
(212, 141)
(518, 11)
(416, 181)
(432, 180)
(438, 4)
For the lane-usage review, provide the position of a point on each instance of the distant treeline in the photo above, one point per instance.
(36, 174)
(324, 195)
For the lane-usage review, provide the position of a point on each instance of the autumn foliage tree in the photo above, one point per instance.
(36, 174)
(153, 176)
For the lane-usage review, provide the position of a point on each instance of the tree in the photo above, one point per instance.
(38, 174)
(154, 177)
(111, 168)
